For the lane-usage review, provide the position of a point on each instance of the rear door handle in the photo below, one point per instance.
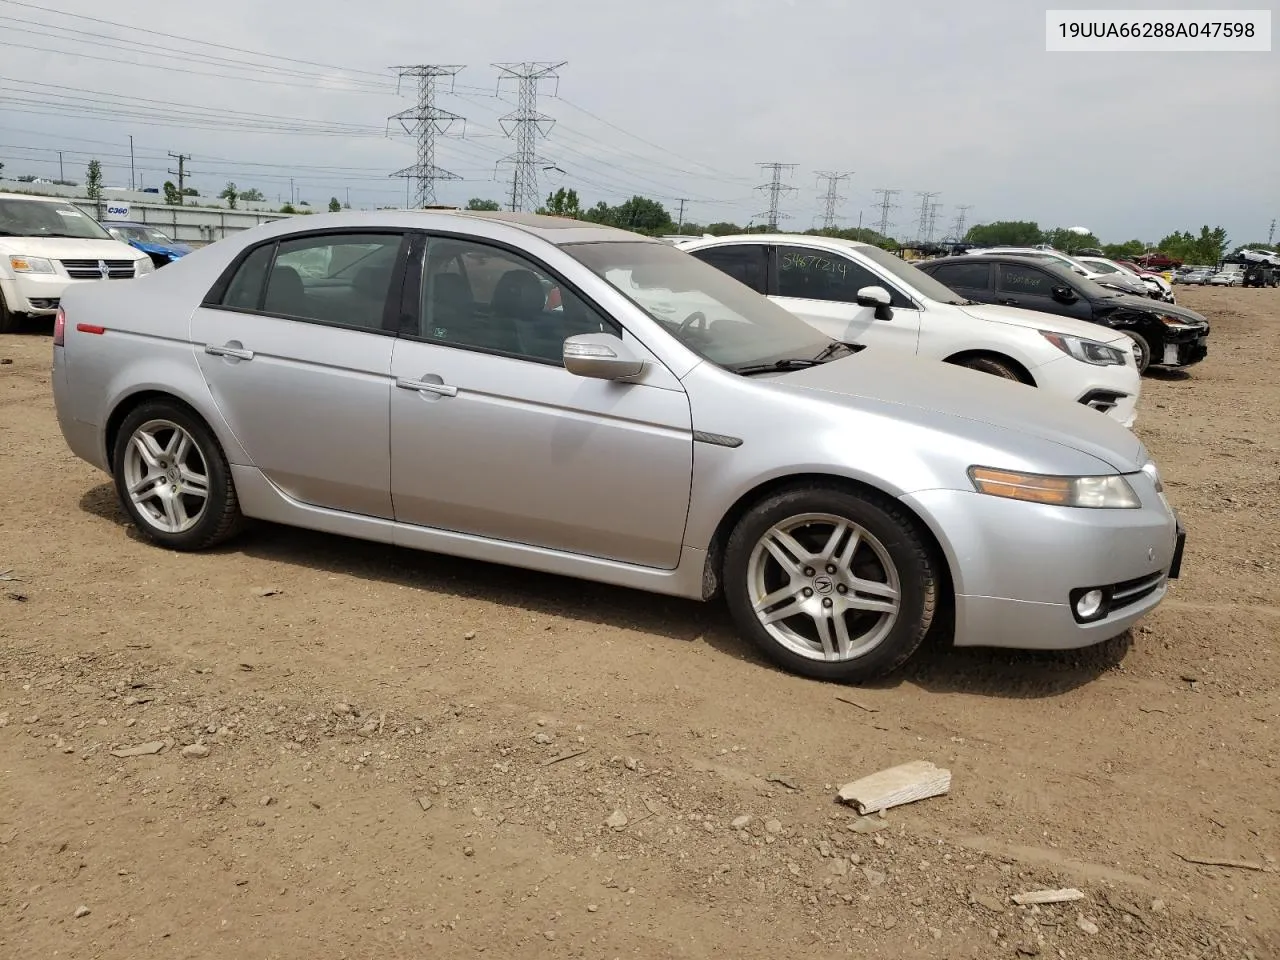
(440, 389)
(239, 353)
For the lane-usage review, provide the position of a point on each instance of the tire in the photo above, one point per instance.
(185, 521)
(1142, 350)
(992, 365)
(8, 321)
(890, 565)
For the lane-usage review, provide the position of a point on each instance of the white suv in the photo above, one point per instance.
(859, 293)
(46, 244)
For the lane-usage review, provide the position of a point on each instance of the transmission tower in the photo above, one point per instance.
(923, 224)
(524, 125)
(957, 228)
(933, 219)
(831, 197)
(886, 204)
(776, 188)
(428, 120)
(1271, 234)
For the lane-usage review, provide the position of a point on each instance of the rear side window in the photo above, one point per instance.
(340, 279)
(1015, 278)
(745, 262)
(807, 273)
(969, 276)
(245, 290)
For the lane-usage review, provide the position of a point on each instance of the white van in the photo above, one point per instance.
(48, 243)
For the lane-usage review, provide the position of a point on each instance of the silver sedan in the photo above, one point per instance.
(570, 398)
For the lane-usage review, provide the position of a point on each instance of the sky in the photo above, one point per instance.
(664, 98)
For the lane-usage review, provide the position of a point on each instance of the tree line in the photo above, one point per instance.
(1208, 246)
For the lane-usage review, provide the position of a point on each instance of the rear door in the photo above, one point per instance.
(295, 344)
(971, 280)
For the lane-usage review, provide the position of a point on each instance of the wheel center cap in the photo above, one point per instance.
(823, 585)
(172, 474)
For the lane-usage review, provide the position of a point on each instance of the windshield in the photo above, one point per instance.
(1101, 266)
(140, 234)
(912, 276)
(40, 218)
(714, 315)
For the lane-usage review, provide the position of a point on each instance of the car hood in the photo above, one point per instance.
(1034, 320)
(168, 249)
(938, 388)
(64, 248)
(1147, 305)
(1117, 281)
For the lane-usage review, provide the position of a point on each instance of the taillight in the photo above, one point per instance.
(59, 327)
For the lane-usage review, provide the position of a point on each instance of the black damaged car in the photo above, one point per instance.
(1164, 334)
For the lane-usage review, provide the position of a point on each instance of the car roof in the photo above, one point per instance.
(35, 196)
(1055, 268)
(806, 238)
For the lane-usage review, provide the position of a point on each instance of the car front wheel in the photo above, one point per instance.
(1141, 350)
(830, 583)
(172, 478)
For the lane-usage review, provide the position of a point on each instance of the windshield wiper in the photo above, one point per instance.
(799, 363)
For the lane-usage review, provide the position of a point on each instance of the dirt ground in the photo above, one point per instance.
(404, 755)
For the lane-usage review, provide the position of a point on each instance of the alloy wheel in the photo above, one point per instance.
(166, 476)
(823, 587)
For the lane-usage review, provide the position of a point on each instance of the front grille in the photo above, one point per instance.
(92, 269)
(1131, 591)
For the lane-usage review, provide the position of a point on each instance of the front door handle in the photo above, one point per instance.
(440, 389)
(1009, 302)
(238, 353)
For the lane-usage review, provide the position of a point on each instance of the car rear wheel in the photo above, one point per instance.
(991, 365)
(831, 584)
(1141, 350)
(172, 478)
(8, 321)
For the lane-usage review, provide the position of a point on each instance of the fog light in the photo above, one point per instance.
(1089, 604)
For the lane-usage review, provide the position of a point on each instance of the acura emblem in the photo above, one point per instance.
(103, 269)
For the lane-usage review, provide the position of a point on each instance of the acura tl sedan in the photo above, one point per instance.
(493, 386)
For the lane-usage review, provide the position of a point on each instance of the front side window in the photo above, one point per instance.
(809, 274)
(711, 313)
(746, 262)
(487, 298)
(339, 279)
(1028, 281)
(969, 276)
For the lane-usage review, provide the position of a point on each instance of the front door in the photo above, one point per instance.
(1029, 287)
(296, 351)
(491, 436)
(821, 288)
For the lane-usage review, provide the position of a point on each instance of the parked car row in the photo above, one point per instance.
(48, 243)
(577, 399)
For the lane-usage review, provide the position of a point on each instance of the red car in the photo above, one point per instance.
(1158, 261)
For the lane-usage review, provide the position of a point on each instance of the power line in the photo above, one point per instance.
(524, 125)
(926, 198)
(886, 204)
(831, 197)
(776, 188)
(429, 120)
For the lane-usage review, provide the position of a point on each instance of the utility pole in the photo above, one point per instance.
(775, 189)
(961, 216)
(923, 224)
(1271, 234)
(429, 120)
(524, 125)
(680, 218)
(886, 204)
(831, 197)
(348, 198)
(181, 174)
(61, 175)
(132, 184)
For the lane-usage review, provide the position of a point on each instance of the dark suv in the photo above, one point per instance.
(1164, 335)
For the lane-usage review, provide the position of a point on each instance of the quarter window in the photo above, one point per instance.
(1015, 278)
(745, 262)
(339, 279)
(811, 274)
(969, 276)
(487, 298)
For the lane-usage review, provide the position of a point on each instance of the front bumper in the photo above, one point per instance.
(1015, 565)
(1111, 390)
(1183, 348)
(37, 294)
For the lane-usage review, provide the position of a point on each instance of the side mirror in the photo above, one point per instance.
(600, 356)
(1064, 295)
(878, 297)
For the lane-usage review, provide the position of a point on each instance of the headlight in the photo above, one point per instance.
(1176, 323)
(30, 265)
(143, 267)
(1110, 492)
(1086, 351)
